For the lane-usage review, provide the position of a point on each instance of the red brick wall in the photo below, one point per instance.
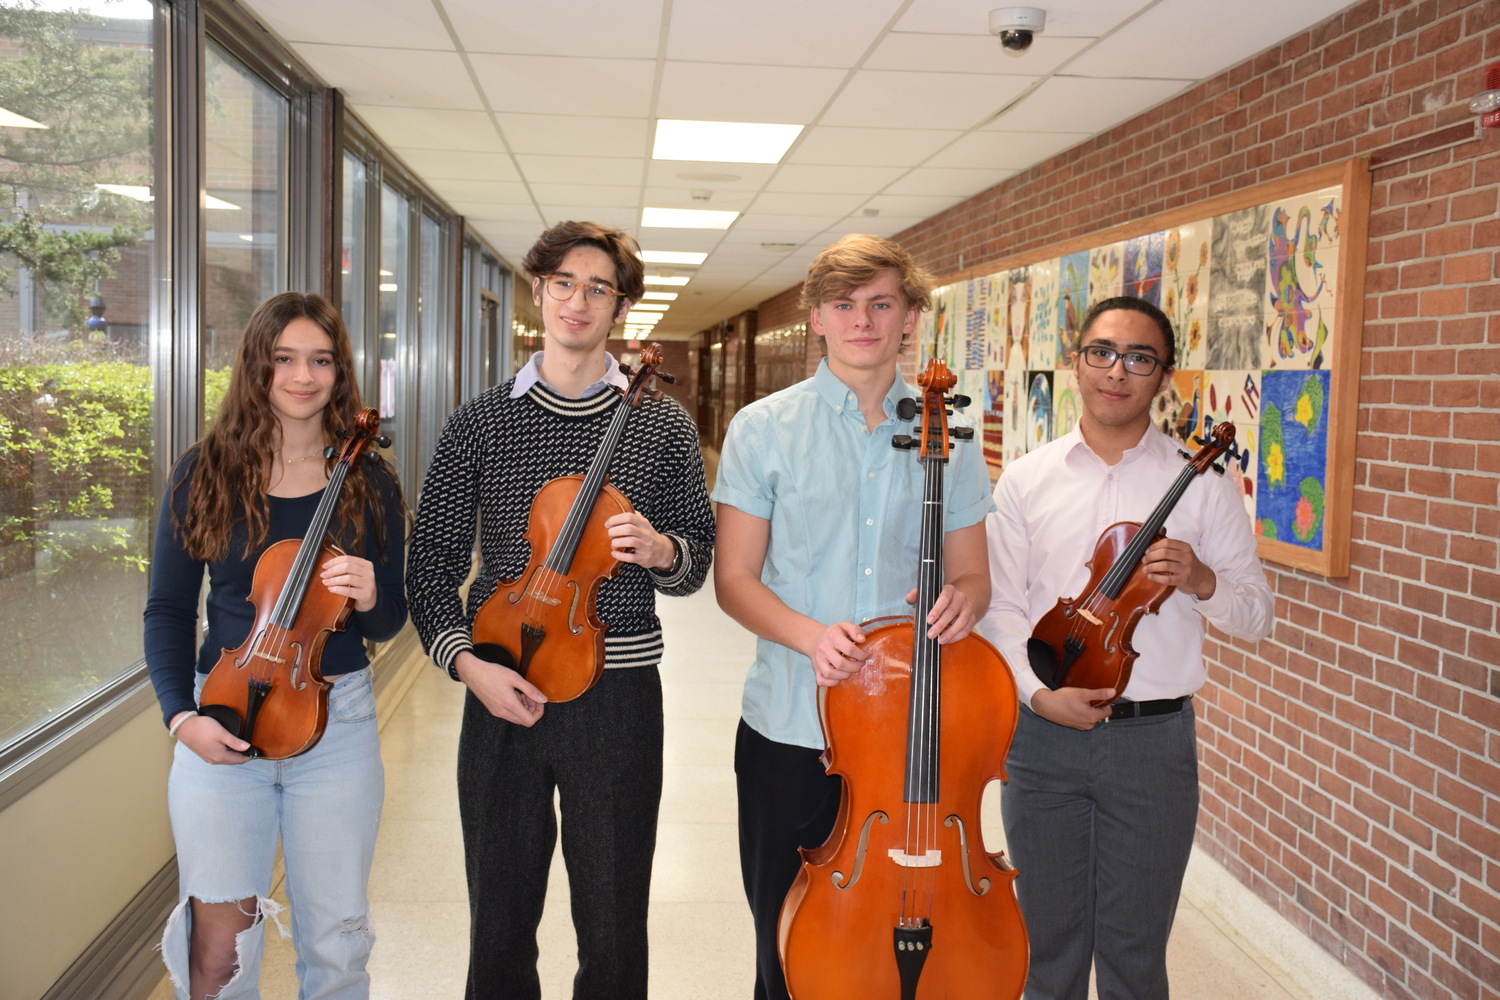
(1351, 762)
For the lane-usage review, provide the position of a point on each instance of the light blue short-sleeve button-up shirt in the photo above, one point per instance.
(845, 509)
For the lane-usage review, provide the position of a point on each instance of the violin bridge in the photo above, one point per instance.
(545, 598)
(928, 859)
(267, 656)
(1089, 615)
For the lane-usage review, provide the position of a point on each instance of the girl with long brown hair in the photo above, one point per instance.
(254, 479)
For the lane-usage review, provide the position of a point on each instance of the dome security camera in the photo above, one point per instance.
(1017, 26)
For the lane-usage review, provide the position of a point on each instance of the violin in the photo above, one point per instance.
(270, 691)
(544, 624)
(902, 902)
(1084, 641)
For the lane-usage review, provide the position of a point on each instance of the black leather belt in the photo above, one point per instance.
(1136, 709)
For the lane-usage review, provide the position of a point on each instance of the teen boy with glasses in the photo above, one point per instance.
(1101, 803)
(601, 752)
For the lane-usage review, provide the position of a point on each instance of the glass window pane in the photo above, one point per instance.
(355, 277)
(436, 337)
(77, 181)
(395, 291)
(245, 141)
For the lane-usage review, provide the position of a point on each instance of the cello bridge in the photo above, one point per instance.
(927, 859)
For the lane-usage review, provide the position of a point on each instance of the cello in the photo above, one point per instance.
(270, 691)
(544, 624)
(1084, 641)
(902, 902)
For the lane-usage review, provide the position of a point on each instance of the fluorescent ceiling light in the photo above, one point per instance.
(661, 296)
(686, 218)
(388, 287)
(662, 279)
(672, 257)
(651, 307)
(723, 142)
(9, 119)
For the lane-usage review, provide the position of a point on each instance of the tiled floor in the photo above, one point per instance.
(1226, 945)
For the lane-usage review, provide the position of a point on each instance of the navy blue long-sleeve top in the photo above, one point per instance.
(176, 579)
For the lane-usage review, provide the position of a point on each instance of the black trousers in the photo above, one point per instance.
(786, 801)
(602, 753)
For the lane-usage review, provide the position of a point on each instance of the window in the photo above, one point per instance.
(395, 327)
(245, 170)
(353, 269)
(77, 277)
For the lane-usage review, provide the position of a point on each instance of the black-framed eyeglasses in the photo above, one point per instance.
(596, 295)
(1136, 363)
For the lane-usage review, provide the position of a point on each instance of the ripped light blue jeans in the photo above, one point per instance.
(324, 807)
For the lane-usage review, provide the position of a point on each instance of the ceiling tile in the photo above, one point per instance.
(948, 182)
(972, 54)
(396, 77)
(575, 135)
(1005, 150)
(1086, 105)
(1238, 31)
(815, 179)
(916, 100)
(463, 131)
(577, 169)
(826, 33)
(702, 91)
(1065, 18)
(618, 88)
(703, 173)
(389, 23)
(815, 205)
(602, 195)
(869, 147)
(440, 165)
(586, 28)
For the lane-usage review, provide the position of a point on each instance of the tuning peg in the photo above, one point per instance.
(383, 441)
(654, 395)
(903, 441)
(961, 433)
(959, 402)
(906, 409)
(670, 379)
(331, 451)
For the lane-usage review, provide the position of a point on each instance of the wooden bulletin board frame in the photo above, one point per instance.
(1265, 288)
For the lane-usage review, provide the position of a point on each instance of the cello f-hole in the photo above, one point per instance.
(859, 854)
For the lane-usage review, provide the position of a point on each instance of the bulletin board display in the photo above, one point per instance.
(1265, 290)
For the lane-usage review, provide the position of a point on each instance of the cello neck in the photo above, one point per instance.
(923, 724)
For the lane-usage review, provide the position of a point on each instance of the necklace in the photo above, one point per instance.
(304, 458)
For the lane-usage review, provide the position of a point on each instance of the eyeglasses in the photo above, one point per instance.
(1136, 363)
(597, 296)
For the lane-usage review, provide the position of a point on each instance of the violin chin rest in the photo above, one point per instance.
(1044, 662)
(224, 716)
(492, 652)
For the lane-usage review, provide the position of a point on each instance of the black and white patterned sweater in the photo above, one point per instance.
(495, 453)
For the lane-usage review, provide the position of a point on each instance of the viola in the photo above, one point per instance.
(902, 900)
(544, 624)
(1085, 641)
(270, 691)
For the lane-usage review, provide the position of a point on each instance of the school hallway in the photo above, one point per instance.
(1227, 945)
